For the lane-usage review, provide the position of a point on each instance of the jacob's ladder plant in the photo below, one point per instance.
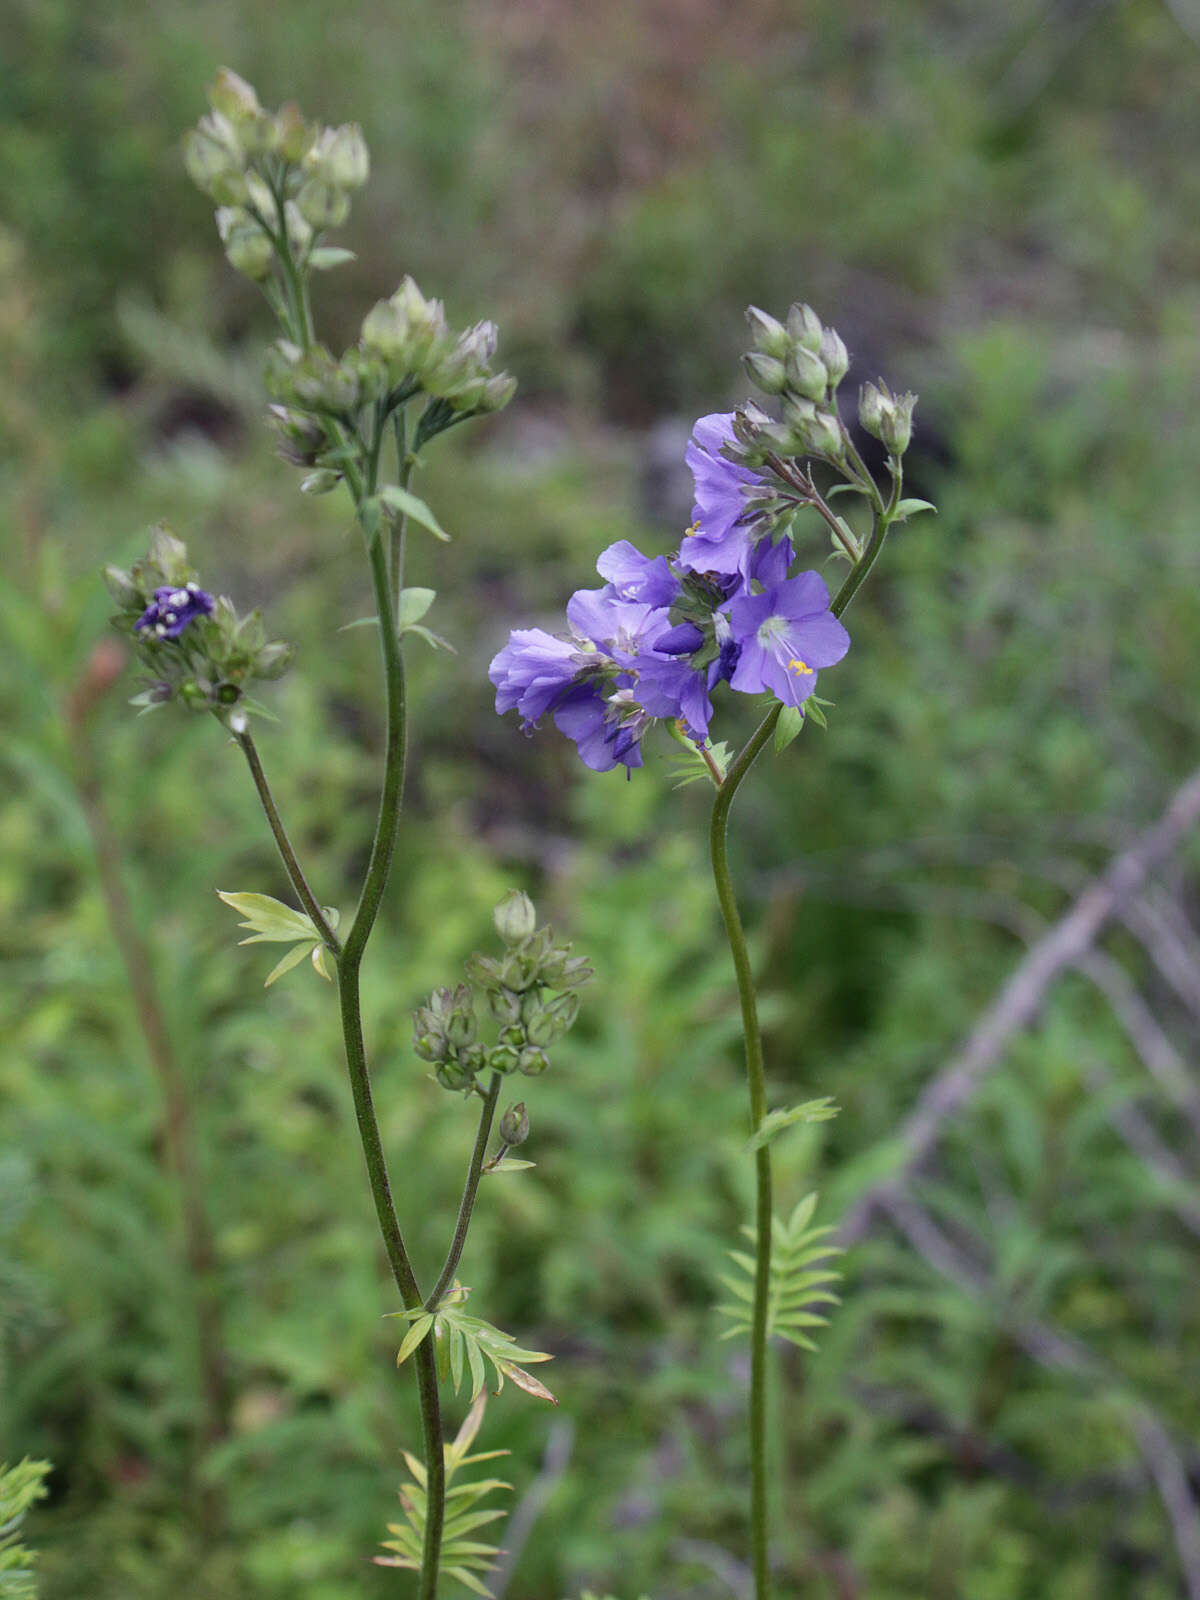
(359, 422)
(737, 604)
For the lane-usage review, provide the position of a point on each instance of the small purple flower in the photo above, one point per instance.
(785, 635)
(533, 671)
(169, 613)
(607, 732)
(723, 527)
(633, 576)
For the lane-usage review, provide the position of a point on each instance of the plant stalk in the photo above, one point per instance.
(470, 1190)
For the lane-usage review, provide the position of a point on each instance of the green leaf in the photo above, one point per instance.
(775, 1122)
(910, 508)
(414, 603)
(293, 959)
(411, 505)
(434, 640)
(359, 622)
(791, 720)
(507, 1164)
(326, 256)
(269, 919)
(414, 1337)
(793, 1289)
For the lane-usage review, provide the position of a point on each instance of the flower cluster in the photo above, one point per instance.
(280, 184)
(195, 646)
(531, 995)
(662, 633)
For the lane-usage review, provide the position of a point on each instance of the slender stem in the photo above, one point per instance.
(290, 862)
(755, 1073)
(470, 1189)
(756, 1078)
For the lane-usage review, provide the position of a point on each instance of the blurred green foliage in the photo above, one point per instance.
(994, 206)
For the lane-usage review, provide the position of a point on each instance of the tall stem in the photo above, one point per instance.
(756, 1078)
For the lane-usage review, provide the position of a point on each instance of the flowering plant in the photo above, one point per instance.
(736, 605)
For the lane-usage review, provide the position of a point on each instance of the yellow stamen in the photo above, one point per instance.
(799, 666)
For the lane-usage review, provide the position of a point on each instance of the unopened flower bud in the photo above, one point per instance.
(804, 327)
(834, 356)
(339, 157)
(473, 1058)
(748, 421)
(453, 1075)
(213, 165)
(513, 1034)
(769, 334)
(503, 1058)
(766, 372)
(515, 918)
(533, 1062)
(233, 97)
(824, 436)
(519, 970)
(806, 373)
(485, 971)
(247, 248)
(514, 1124)
(871, 406)
(503, 1005)
(291, 136)
(322, 205)
(896, 429)
(553, 1019)
(497, 392)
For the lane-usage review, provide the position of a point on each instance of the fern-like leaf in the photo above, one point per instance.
(467, 1342)
(799, 1279)
(464, 1558)
(20, 1487)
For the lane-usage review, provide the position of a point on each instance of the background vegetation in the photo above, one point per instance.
(997, 206)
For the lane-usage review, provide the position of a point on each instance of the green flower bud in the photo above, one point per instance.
(473, 1058)
(461, 1026)
(804, 327)
(824, 436)
(291, 135)
(503, 1058)
(896, 430)
(233, 97)
(519, 970)
(338, 157)
(322, 205)
(871, 406)
(453, 1075)
(504, 1005)
(833, 356)
(485, 971)
(513, 1034)
(767, 373)
(806, 373)
(168, 556)
(299, 231)
(514, 1124)
(533, 1062)
(497, 392)
(213, 163)
(769, 335)
(564, 971)
(553, 1020)
(515, 918)
(247, 247)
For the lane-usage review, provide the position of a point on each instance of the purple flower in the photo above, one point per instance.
(633, 576)
(722, 535)
(785, 635)
(169, 613)
(533, 671)
(607, 732)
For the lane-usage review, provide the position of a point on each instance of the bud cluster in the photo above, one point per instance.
(195, 646)
(803, 362)
(278, 181)
(531, 995)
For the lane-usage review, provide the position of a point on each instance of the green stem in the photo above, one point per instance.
(470, 1190)
(755, 1073)
(756, 1077)
(290, 862)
